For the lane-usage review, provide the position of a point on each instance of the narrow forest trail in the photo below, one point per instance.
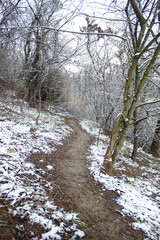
(77, 192)
(34, 196)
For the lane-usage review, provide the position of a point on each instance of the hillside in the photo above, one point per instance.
(51, 185)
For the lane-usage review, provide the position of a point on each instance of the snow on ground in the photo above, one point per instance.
(22, 186)
(139, 195)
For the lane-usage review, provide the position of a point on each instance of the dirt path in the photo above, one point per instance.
(79, 193)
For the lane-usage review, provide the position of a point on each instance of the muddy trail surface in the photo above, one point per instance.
(98, 211)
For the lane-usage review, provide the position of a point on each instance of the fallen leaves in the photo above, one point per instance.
(12, 150)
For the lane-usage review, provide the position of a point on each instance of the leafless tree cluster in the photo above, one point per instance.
(36, 53)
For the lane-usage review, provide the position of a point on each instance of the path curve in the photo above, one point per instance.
(78, 192)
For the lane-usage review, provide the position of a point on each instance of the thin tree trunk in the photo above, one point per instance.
(39, 106)
(135, 125)
(27, 91)
(155, 146)
(135, 144)
(103, 110)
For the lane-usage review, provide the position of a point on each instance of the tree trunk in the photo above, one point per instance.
(39, 106)
(135, 125)
(119, 133)
(27, 91)
(120, 121)
(135, 144)
(155, 147)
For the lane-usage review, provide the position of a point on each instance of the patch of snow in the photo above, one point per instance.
(52, 234)
(49, 167)
(70, 216)
(79, 234)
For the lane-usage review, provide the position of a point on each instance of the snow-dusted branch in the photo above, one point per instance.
(146, 117)
(72, 32)
(66, 31)
(103, 18)
(143, 104)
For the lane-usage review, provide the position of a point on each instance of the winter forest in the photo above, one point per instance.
(98, 61)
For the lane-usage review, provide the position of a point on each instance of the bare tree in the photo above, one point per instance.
(9, 14)
(146, 44)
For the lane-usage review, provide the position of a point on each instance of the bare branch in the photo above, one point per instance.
(144, 118)
(138, 13)
(149, 44)
(154, 83)
(103, 18)
(66, 31)
(12, 9)
(143, 104)
(158, 72)
(150, 27)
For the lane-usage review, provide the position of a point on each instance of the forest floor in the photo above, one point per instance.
(62, 177)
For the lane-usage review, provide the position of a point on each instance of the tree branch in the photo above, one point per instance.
(154, 83)
(103, 18)
(12, 9)
(143, 104)
(151, 25)
(144, 118)
(156, 71)
(138, 13)
(149, 44)
(66, 31)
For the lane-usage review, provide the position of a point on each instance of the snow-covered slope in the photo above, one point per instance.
(137, 182)
(22, 186)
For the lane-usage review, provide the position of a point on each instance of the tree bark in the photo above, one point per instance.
(155, 146)
(135, 125)
(135, 144)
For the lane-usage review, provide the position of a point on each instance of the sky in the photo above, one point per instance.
(95, 9)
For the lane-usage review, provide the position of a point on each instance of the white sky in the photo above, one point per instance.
(97, 8)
